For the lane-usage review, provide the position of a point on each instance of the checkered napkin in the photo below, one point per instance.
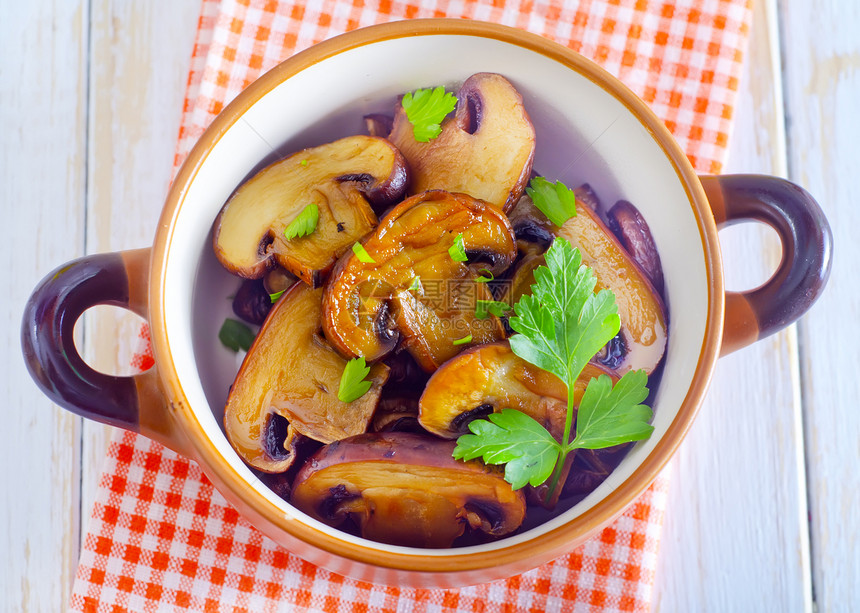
(162, 539)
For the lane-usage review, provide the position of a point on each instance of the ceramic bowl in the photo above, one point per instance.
(590, 128)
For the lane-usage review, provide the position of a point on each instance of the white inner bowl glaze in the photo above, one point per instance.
(584, 134)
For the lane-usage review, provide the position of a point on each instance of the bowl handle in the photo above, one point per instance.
(807, 246)
(135, 403)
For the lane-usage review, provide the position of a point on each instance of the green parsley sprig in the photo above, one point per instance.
(486, 276)
(463, 341)
(555, 200)
(235, 335)
(457, 251)
(561, 326)
(362, 254)
(304, 223)
(352, 382)
(485, 308)
(425, 109)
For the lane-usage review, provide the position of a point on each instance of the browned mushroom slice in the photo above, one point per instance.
(252, 302)
(278, 280)
(288, 387)
(533, 230)
(631, 229)
(368, 304)
(396, 414)
(378, 125)
(489, 378)
(435, 331)
(339, 178)
(406, 489)
(522, 278)
(642, 340)
(486, 148)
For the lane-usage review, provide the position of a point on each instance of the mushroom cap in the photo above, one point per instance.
(486, 149)
(488, 378)
(641, 342)
(288, 385)
(406, 489)
(341, 178)
(368, 305)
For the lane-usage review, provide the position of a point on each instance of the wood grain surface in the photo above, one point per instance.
(765, 494)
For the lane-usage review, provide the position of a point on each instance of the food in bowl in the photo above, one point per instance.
(436, 293)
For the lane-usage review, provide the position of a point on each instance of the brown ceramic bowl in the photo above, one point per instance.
(589, 128)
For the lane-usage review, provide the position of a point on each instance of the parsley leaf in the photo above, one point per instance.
(561, 326)
(305, 223)
(514, 438)
(613, 415)
(276, 296)
(352, 383)
(485, 308)
(425, 109)
(486, 276)
(555, 200)
(457, 251)
(361, 254)
(235, 335)
(564, 323)
(416, 284)
(462, 341)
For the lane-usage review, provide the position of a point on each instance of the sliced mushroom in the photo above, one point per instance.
(378, 125)
(406, 489)
(533, 230)
(288, 386)
(522, 278)
(642, 340)
(396, 414)
(278, 280)
(486, 148)
(489, 378)
(368, 306)
(280, 483)
(631, 229)
(342, 179)
(252, 302)
(434, 331)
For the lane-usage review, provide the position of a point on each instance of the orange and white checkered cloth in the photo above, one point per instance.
(162, 539)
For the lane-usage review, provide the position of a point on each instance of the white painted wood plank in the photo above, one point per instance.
(43, 112)
(140, 57)
(822, 77)
(735, 535)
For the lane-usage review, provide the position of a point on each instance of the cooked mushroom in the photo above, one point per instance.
(378, 125)
(405, 283)
(406, 489)
(252, 302)
(396, 414)
(489, 378)
(642, 340)
(278, 280)
(533, 230)
(435, 330)
(486, 148)
(342, 179)
(522, 278)
(288, 385)
(631, 229)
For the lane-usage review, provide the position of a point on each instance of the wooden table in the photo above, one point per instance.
(765, 495)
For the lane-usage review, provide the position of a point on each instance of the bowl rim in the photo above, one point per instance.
(545, 546)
